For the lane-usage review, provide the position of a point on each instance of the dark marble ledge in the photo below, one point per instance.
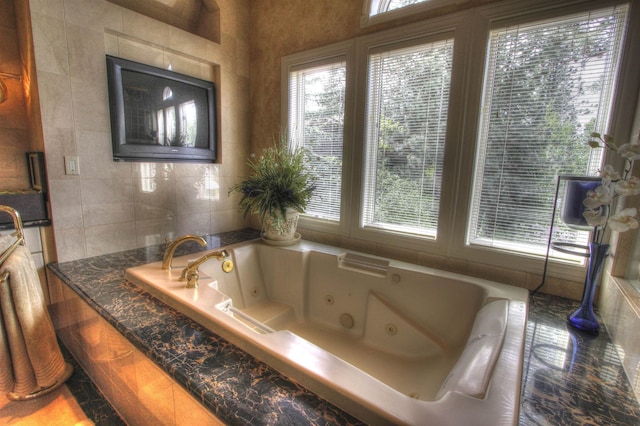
(568, 377)
(571, 377)
(235, 386)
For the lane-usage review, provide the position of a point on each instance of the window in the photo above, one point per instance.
(548, 85)
(407, 105)
(381, 6)
(386, 10)
(446, 136)
(316, 121)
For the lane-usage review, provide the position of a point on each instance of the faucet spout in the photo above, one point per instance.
(171, 248)
(191, 274)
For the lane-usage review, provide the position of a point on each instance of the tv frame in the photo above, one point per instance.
(123, 151)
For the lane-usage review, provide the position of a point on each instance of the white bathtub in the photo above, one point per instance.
(388, 341)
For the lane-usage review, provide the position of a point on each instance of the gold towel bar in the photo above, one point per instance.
(19, 234)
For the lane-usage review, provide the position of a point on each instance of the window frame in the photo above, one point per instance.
(338, 52)
(470, 29)
(370, 15)
(495, 16)
(446, 27)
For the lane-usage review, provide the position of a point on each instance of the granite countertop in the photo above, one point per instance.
(568, 377)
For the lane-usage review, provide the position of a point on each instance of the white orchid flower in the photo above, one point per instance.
(628, 187)
(624, 220)
(630, 151)
(595, 217)
(602, 195)
(608, 174)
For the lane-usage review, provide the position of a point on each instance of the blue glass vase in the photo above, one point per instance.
(584, 318)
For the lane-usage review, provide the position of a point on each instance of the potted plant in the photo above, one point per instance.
(277, 190)
(597, 212)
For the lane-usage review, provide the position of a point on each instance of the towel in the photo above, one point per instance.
(6, 241)
(30, 358)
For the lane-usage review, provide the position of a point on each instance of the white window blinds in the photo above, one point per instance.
(548, 85)
(316, 121)
(407, 105)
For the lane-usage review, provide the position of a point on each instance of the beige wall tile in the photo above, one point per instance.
(91, 104)
(74, 97)
(85, 48)
(70, 244)
(111, 238)
(619, 305)
(49, 38)
(93, 14)
(144, 28)
(107, 201)
(51, 8)
(155, 198)
(96, 156)
(55, 101)
(140, 52)
(155, 231)
(61, 142)
(66, 203)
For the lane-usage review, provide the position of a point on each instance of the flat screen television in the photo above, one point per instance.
(160, 115)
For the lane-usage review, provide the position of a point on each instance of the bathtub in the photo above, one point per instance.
(389, 342)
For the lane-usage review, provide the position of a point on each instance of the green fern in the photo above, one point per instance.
(279, 180)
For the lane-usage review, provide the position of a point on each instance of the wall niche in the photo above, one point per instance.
(199, 17)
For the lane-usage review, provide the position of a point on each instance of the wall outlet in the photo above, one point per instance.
(71, 165)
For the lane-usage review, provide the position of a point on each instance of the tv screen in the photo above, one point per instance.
(160, 115)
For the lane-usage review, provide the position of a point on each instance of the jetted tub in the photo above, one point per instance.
(388, 341)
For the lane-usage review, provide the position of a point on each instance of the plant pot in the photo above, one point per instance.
(277, 228)
(572, 206)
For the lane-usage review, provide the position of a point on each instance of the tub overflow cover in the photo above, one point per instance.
(346, 321)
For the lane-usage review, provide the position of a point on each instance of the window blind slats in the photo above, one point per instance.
(316, 105)
(407, 109)
(548, 86)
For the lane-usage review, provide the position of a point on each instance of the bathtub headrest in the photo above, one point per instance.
(472, 373)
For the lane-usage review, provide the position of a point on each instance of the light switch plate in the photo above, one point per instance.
(71, 165)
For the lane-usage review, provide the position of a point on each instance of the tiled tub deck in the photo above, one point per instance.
(568, 377)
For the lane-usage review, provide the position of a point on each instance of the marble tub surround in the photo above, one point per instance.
(88, 396)
(568, 378)
(236, 387)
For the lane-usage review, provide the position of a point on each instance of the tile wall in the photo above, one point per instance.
(620, 309)
(113, 206)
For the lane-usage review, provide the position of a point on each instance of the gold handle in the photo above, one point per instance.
(227, 266)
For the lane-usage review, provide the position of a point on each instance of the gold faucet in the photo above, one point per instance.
(171, 248)
(191, 274)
